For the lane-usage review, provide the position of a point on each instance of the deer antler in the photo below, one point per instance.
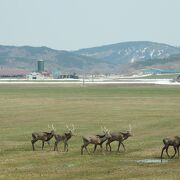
(130, 128)
(68, 127)
(107, 130)
(104, 129)
(53, 127)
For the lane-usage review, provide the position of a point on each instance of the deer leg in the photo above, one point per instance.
(118, 146)
(33, 141)
(167, 151)
(107, 146)
(123, 146)
(102, 150)
(175, 151)
(85, 146)
(55, 145)
(33, 146)
(162, 152)
(95, 146)
(87, 150)
(66, 147)
(82, 147)
(42, 145)
(110, 147)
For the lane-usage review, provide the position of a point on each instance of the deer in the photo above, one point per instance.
(42, 136)
(120, 137)
(95, 139)
(172, 141)
(103, 139)
(64, 137)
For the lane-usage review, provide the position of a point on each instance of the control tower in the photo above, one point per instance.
(40, 66)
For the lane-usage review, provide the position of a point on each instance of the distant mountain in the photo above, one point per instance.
(129, 52)
(26, 57)
(117, 58)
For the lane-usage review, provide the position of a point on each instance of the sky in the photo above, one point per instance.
(76, 24)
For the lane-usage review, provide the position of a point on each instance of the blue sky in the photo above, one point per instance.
(75, 24)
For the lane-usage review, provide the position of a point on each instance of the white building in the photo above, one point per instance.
(35, 75)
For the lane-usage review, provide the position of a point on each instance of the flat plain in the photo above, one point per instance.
(153, 112)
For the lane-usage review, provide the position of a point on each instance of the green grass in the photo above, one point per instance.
(162, 76)
(153, 112)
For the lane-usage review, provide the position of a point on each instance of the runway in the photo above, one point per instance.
(88, 81)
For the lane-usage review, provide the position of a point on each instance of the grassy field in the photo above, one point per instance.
(153, 112)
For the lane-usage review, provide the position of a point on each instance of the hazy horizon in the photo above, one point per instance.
(67, 25)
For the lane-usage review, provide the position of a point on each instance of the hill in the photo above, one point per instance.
(115, 58)
(130, 52)
(26, 57)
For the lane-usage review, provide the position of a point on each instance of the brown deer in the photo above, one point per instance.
(43, 136)
(64, 137)
(103, 138)
(175, 142)
(120, 137)
(95, 139)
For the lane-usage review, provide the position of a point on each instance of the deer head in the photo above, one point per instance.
(71, 130)
(127, 134)
(106, 132)
(52, 129)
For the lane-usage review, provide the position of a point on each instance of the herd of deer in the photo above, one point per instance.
(98, 139)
